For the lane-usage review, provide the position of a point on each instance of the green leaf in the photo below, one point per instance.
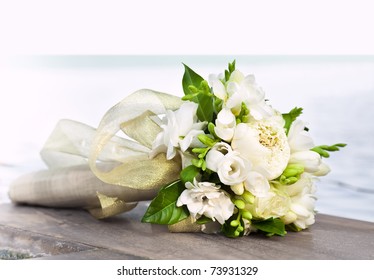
(322, 150)
(205, 109)
(197, 90)
(290, 117)
(189, 173)
(190, 78)
(271, 226)
(163, 209)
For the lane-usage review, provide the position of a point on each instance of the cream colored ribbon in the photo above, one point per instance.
(116, 161)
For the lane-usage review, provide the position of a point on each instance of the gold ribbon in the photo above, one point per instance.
(121, 171)
(72, 143)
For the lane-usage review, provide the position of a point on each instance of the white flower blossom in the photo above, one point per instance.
(205, 198)
(179, 131)
(264, 144)
(239, 89)
(302, 197)
(298, 138)
(218, 87)
(225, 124)
(300, 144)
(230, 167)
(309, 159)
(275, 204)
(216, 154)
(257, 184)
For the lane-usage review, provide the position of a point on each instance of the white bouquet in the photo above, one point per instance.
(246, 166)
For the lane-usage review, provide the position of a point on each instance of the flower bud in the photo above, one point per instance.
(225, 124)
(247, 215)
(239, 203)
(238, 189)
(234, 223)
(248, 197)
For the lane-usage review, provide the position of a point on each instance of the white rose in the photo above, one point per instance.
(230, 167)
(205, 198)
(225, 124)
(264, 144)
(179, 131)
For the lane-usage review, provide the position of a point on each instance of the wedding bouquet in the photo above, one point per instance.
(246, 167)
(219, 160)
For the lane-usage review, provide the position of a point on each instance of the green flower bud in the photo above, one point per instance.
(205, 87)
(203, 166)
(247, 215)
(292, 180)
(206, 140)
(239, 203)
(193, 89)
(290, 172)
(248, 197)
(234, 223)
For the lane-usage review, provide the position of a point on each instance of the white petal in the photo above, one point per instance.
(190, 138)
(219, 89)
(225, 133)
(226, 118)
(185, 117)
(309, 159)
(184, 198)
(257, 184)
(300, 210)
(212, 159)
(323, 169)
(298, 138)
(236, 76)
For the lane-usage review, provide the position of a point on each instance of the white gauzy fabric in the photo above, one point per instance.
(76, 151)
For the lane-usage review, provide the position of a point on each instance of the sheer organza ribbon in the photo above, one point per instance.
(97, 170)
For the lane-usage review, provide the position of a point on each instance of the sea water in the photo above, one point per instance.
(336, 92)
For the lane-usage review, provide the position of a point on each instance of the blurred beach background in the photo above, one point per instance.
(336, 92)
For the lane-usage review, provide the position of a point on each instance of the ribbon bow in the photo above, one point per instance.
(97, 170)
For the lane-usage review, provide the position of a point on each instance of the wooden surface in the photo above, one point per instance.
(47, 233)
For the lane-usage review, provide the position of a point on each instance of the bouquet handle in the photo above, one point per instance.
(76, 187)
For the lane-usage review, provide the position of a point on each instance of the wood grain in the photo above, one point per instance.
(125, 237)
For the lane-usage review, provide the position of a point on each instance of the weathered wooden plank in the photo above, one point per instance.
(125, 237)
